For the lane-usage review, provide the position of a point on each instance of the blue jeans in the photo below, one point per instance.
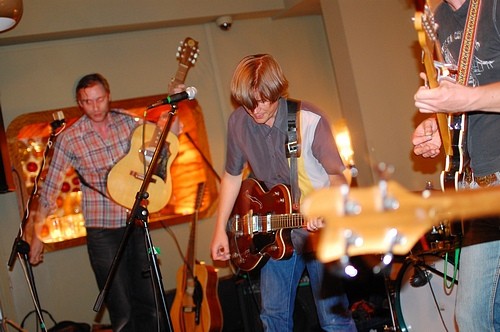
(278, 286)
(478, 295)
(130, 299)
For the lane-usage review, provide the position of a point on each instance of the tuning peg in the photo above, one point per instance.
(390, 203)
(353, 169)
(344, 267)
(352, 239)
(350, 207)
(393, 237)
(387, 202)
(385, 171)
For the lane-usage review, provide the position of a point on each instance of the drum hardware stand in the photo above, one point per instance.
(21, 248)
(389, 292)
(140, 212)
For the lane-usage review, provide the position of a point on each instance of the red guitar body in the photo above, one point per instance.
(261, 225)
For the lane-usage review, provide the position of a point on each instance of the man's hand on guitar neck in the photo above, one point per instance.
(175, 88)
(177, 126)
(426, 140)
(314, 224)
(448, 97)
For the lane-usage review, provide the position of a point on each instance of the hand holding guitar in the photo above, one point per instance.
(314, 224)
(452, 127)
(447, 97)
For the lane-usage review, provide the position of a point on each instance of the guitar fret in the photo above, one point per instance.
(249, 223)
(286, 221)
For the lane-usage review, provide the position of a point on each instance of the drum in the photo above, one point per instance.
(423, 301)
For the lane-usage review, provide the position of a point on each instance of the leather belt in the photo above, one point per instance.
(482, 181)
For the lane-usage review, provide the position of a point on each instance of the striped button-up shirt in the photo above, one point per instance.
(81, 147)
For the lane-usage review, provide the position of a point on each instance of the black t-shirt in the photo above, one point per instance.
(483, 129)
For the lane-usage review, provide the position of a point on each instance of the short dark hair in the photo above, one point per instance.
(90, 80)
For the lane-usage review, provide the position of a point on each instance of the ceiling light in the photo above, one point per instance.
(10, 13)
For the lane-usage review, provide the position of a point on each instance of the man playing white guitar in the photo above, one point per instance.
(478, 295)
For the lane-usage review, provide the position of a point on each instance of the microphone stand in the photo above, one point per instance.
(140, 212)
(21, 248)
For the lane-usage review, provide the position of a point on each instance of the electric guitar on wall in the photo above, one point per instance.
(451, 127)
(260, 225)
(125, 178)
(196, 306)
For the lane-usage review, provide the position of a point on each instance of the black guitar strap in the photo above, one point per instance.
(85, 183)
(293, 149)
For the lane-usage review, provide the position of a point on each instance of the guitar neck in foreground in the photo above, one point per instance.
(378, 227)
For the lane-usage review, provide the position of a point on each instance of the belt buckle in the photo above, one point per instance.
(485, 181)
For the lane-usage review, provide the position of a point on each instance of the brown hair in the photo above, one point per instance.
(91, 80)
(258, 78)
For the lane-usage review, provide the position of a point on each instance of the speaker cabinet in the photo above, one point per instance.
(248, 304)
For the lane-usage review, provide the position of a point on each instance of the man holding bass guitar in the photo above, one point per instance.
(478, 98)
(257, 136)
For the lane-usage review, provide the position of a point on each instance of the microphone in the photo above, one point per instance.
(59, 120)
(420, 277)
(190, 93)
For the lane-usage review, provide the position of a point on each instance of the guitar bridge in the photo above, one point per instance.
(188, 308)
(140, 176)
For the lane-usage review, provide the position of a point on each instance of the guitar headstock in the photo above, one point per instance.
(379, 219)
(426, 28)
(432, 59)
(425, 23)
(187, 52)
(387, 218)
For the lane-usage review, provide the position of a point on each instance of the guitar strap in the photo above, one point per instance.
(85, 183)
(293, 149)
(468, 39)
(467, 50)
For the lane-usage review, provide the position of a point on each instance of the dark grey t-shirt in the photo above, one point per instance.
(483, 129)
